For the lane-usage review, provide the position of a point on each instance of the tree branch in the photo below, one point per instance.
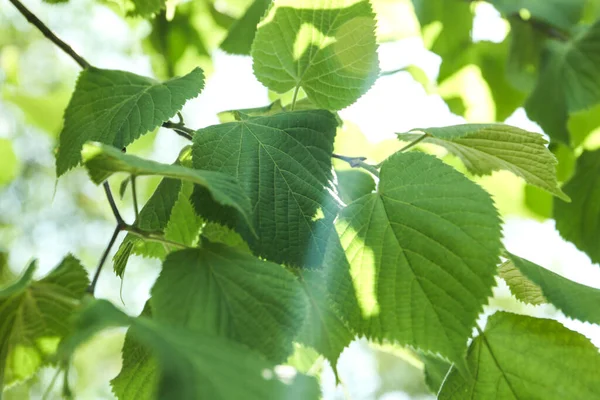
(49, 34)
(180, 129)
(92, 286)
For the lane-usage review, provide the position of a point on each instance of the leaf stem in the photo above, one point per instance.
(294, 97)
(180, 129)
(49, 34)
(113, 205)
(358, 162)
(134, 195)
(113, 238)
(152, 237)
(414, 142)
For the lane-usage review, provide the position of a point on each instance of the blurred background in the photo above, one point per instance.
(44, 219)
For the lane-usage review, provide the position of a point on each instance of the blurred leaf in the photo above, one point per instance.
(241, 35)
(290, 154)
(36, 313)
(538, 201)
(579, 220)
(313, 45)
(412, 253)
(569, 82)
(485, 148)
(524, 55)
(191, 365)
(573, 299)
(9, 164)
(435, 370)
(354, 183)
(562, 14)
(582, 124)
(520, 286)
(130, 106)
(146, 8)
(44, 112)
(520, 357)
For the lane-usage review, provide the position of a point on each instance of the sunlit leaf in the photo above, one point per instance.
(520, 286)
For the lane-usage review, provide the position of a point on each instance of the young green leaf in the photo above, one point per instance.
(579, 221)
(561, 14)
(520, 286)
(191, 365)
(283, 163)
(34, 314)
(573, 299)
(117, 107)
(521, 357)
(485, 148)
(323, 328)
(102, 161)
(569, 82)
(423, 251)
(326, 48)
(241, 35)
(221, 291)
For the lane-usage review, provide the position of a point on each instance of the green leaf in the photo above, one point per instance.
(354, 183)
(241, 35)
(569, 82)
(323, 328)
(579, 221)
(435, 370)
(147, 8)
(328, 49)
(422, 251)
(526, 47)
(573, 299)
(221, 291)
(217, 233)
(283, 163)
(102, 161)
(522, 288)
(485, 148)
(36, 313)
(153, 217)
(562, 14)
(117, 107)
(192, 365)
(521, 357)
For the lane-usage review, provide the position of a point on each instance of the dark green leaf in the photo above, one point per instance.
(221, 291)
(579, 221)
(422, 251)
(117, 107)
(520, 357)
(327, 49)
(573, 299)
(241, 35)
(283, 163)
(354, 183)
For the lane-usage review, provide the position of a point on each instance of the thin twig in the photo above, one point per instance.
(92, 286)
(134, 195)
(152, 237)
(358, 162)
(49, 34)
(180, 129)
(113, 205)
(294, 97)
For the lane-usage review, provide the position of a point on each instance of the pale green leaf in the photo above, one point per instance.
(117, 107)
(241, 34)
(423, 251)
(520, 286)
(219, 290)
(569, 82)
(191, 365)
(579, 221)
(562, 14)
(485, 148)
(34, 315)
(573, 299)
(326, 48)
(521, 357)
(102, 161)
(323, 328)
(217, 233)
(283, 163)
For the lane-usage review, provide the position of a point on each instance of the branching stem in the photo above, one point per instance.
(92, 287)
(49, 34)
(358, 162)
(113, 205)
(134, 195)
